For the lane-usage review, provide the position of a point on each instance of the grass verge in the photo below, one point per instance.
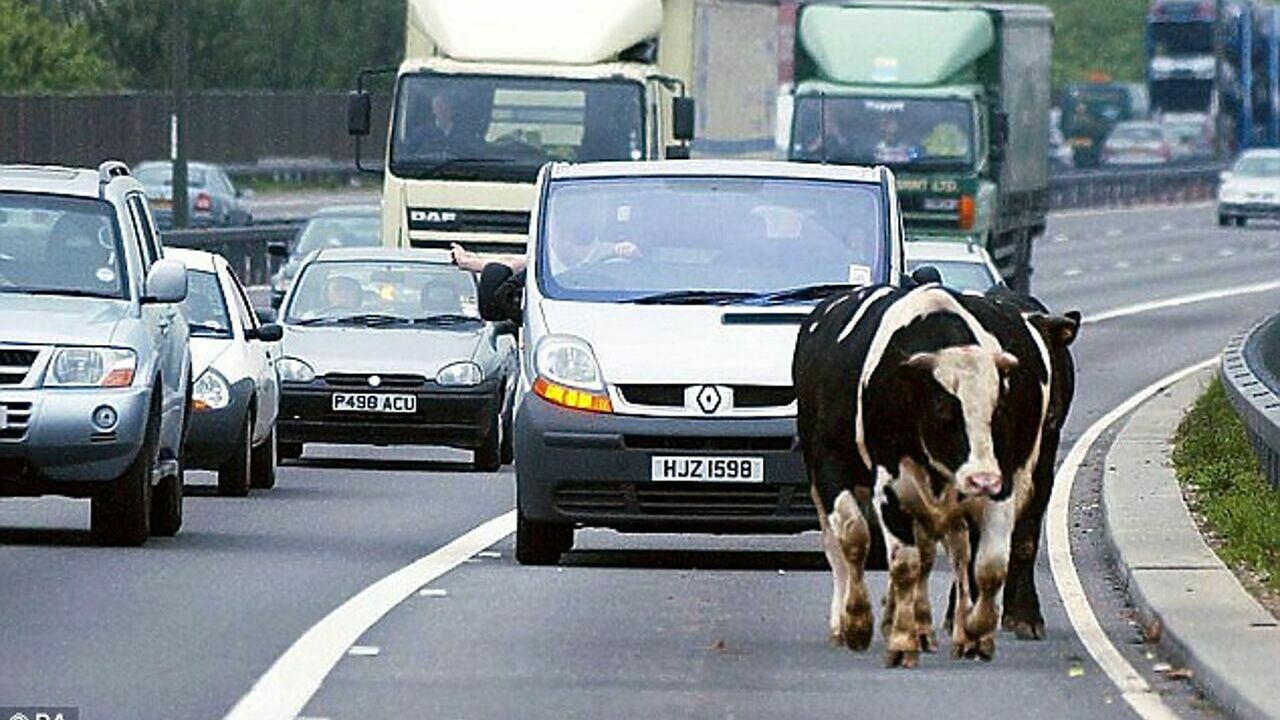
(1219, 470)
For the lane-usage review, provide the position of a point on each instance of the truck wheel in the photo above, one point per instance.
(263, 463)
(122, 514)
(233, 476)
(540, 543)
(488, 457)
(1242, 221)
(289, 450)
(508, 438)
(166, 505)
(1021, 282)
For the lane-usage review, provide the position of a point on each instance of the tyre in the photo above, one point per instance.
(540, 543)
(121, 515)
(508, 446)
(233, 476)
(1223, 221)
(288, 450)
(166, 505)
(1242, 221)
(1021, 281)
(488, 457)
(263, 464)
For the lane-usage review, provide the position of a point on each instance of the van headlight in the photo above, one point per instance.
(460, 374)
(568, 360)
(294, 370)
(91, 367)
(210, 391)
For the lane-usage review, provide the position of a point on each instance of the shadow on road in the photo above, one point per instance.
(372, 465)
(697, 559)
(47, 536)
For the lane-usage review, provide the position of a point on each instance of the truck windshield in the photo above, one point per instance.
(714, 239)
(468, 127)
(53, 245)
(883, 131)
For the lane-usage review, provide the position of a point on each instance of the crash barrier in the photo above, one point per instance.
(1251, 377)
(247, 249)
(1110, 187)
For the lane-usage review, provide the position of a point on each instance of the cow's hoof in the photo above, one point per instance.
(1025, 629)
(857, 634)
(929, 641)
(984, 649)
(905, 659)
(834, 639)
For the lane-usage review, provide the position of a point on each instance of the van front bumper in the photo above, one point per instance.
(594, 470)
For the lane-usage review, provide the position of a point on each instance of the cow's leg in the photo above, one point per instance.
(990, 570)
(923, 609)
(902, 637)
(852, 542)
(1022, 613)
(957, 543)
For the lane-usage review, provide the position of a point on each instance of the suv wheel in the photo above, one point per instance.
(263, 462)
(166, 505)
(488, 457)
(233, 476)
(121, 515)
(541, 543)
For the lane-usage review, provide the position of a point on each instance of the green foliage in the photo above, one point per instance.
(39, 55)
(1213, 457)
(1097, 36)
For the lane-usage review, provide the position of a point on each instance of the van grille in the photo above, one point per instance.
(708, 443)
(674, 500)
(15, 364)
(744, 396)
(17, 416)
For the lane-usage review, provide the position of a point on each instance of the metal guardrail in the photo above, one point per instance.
(245, 248)
(1250, 369)
(1122, 188)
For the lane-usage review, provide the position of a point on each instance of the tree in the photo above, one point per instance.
(40, 55)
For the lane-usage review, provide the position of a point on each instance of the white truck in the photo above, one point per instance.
(491, 90)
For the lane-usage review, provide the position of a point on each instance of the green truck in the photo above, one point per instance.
(953, 97)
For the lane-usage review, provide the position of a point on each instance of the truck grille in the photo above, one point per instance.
(470, 221)
(676, 500)
(14, 420)
(15, 364)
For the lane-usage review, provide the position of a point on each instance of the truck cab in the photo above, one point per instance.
(490, 91)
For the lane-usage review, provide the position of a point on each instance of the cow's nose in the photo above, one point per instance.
(984, 483)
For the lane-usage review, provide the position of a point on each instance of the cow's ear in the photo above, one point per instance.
(923, 362)
(1006, 362)
(1058, 330)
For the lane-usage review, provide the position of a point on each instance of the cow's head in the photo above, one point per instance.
(957, 391)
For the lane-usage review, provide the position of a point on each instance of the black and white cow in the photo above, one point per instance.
(933, 402)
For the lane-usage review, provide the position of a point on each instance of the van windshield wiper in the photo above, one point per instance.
(371, 319)
(819, 291)
(693, 297)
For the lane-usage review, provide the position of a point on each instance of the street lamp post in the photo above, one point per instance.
(178, 112)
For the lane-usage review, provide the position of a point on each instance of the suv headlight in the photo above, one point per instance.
(91, 367)
(568, 360)
(210, 391)
(460, 374)
(294, 370)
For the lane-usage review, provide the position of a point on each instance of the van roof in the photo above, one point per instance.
(725, 168)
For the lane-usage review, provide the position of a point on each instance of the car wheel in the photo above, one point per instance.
(233, 476)
(264, 464)
(166, 505)
(508, 446)
(488, 457)
(1223, 221)
(1242, 221)
(289, 450)
(541, 543)
(121, 515)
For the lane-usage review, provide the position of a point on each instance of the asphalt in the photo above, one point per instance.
(631, 625)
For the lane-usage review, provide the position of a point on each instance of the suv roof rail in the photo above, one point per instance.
(110, 169)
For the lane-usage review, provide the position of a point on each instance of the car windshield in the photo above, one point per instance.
(383, 292)
(155, 176)
(715, 238)
(884, 131)
(54, 245)
(971, 276)
(205, 307)
(470, 127)
(338, 231)
(1258, 166)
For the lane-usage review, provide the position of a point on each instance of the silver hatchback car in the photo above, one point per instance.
(95, 365)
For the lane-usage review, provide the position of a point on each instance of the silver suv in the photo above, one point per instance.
(95, 364)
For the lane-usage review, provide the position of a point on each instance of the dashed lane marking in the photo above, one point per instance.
(1061, 238)
(296, 675)
(1126, 210)
(1071, 272)
(1114, 232)
(1175, 258)
(1122, 265)
(1135, 690)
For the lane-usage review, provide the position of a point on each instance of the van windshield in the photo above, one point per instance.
(727, 238)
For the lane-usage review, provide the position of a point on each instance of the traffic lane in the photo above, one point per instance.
(304, 203)
(671, 626)
(182, 627)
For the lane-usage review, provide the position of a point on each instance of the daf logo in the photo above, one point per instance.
(433, 217)
(375, 380)
(708, 399)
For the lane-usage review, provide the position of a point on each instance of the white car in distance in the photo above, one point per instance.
(965, 267)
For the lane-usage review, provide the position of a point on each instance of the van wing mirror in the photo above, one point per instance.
(500, 293)
(359, 113)
(683, 118)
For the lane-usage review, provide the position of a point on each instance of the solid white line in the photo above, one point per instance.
(296, 675)
(1131, 209)
(1133, 687)
(1181, 300)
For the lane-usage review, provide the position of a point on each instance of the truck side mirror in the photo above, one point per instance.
(499, 293)
(359, 112)
(683, 117)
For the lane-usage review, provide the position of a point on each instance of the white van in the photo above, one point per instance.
(659, 313)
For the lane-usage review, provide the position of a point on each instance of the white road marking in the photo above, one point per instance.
(1135, 690)
(364, 651)
(1122, 265)
(1060, 238)
(1114, 232)
(1126, 210)
(433, 592)
(1175, 258)
(1181, 300)
(1226, 252)
(1166, 227)
(1072, 272)
(296, 675)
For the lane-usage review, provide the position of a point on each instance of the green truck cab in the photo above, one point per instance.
(955, 98)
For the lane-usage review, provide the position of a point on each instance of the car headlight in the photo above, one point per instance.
(91, 367)
(294, 370)
(568, 360)
(460, 374)
(211, 391)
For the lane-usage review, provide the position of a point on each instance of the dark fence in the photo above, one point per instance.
(1122, 188)
(245, 130)
(1251, 377)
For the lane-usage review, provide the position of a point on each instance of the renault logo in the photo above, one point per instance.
(709, 399)
(375, 380)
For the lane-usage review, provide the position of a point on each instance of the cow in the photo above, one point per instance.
(933, 402)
